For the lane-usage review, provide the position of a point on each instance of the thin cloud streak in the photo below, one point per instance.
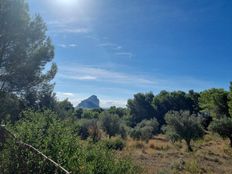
(126, 54)
(155, 83)
(67, 45)
(68, 26)
(102, 75)
(110, 45)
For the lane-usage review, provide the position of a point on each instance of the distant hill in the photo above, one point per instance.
(90, 103)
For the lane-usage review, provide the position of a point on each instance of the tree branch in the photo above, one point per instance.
(31, 148)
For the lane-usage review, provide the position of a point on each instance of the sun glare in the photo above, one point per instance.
(67, 2)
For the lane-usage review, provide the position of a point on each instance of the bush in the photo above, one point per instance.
(145, 130)
(90, 114)
(144, 133)
(223, 127)
(116, 144)
(82, 129)
(56, 139)
(88, 128)
(123, 131)
(110, 123)
(153, 123)
(135, 134)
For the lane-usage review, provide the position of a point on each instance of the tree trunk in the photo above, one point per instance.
(230, 141)
(189, 145)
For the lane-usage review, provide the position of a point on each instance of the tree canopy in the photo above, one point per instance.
(214, 102)
(141, 107)
(25, 50)
(183, 125)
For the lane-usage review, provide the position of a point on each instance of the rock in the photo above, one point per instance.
(90, 103)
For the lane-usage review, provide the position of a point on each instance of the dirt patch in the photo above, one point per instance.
(159, 156)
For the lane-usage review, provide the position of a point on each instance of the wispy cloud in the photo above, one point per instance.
(73, 30)
(102, 75)
(68, 26)
(87, 77)
(67, 45)
(110, 45)
(117, 49)
(125, 54)
(156, 82)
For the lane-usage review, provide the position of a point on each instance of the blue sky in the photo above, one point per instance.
(116, 48)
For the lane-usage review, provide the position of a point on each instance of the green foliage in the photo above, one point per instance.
(114, 144)
(82, 129)
(57, 140)
(118, 111)
(205, 119)
(145, 130)
(223, 127)
(110, 123)
(88, 128)
(25, 49)
(123, 129)
(10, 107)
(144, 133)
(64, 108)
(94, 131)
(182, 125)
(177, 101)
(140, 107)
(78, 113)
(149, 123)
(90, 114)
(214, 101)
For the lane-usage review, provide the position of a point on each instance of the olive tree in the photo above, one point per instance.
(183, 126)
(223, 127)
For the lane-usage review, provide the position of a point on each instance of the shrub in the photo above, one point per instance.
(90, 114)
(123, 131)
(88, 128)
(110, 123)
(94, 131)
(82, 129)
(153, 123)
(116, 144)
(145, 130)
(56, 139)
(223, 127)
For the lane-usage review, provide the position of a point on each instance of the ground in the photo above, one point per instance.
(159, 156)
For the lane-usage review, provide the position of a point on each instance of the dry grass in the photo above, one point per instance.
(159, 156)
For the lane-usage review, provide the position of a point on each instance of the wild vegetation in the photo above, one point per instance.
(39, 134)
